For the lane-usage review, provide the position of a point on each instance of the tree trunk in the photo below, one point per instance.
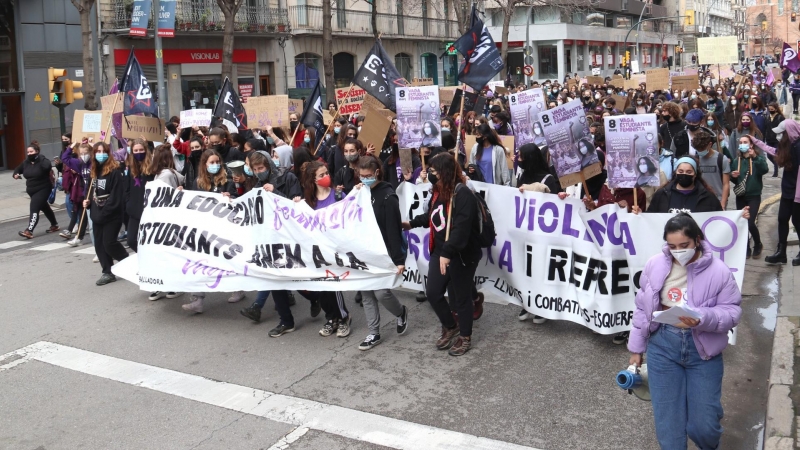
(462, 15)
(89, 89)
(508, 11)
(229, 9)
(327, 51)
(374, 19)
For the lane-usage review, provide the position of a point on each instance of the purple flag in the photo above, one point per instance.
(789, 58)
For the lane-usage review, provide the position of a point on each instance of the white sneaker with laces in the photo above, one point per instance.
(96, 259)
(196, 305)
(74, 242)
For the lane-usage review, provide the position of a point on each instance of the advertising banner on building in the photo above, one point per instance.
(166, 18)
(140, 17)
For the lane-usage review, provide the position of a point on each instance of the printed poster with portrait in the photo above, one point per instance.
(418, 123)
(570, 145)
(525, 108)
(632, 151)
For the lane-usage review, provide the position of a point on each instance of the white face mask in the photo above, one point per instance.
(643, 168)
(683, 256)
(85, 158)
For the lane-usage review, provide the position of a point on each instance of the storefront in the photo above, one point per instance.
(596, 53)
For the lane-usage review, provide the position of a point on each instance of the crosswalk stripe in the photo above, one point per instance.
(48, 247)
(12, 244)
(345, 422)
(85, 251)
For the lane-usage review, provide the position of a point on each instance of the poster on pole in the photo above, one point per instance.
(525, 108)
(267, 110)
(350, 103)
(718, 50)
(195, 118)
(149, 128)
(685, 82)
(91, 125)
(166, 18)
(140, 17)
(631, 151)
(572, 150)
(418, 123)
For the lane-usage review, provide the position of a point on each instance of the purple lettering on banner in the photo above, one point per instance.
(505, 258)
(519, 204)
(209, 271)
(599, 229)
(548, 206)
(624, 237)
(426, 246)
(722, 250)
(566, 226)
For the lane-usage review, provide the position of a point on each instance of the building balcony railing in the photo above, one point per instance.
(308, 19)
(205, 15)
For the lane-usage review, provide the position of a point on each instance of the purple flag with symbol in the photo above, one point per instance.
(789, 58)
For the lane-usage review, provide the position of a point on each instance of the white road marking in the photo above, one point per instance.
(12, 244)
(48, 247)
(290, 438)
(302, 413)
(86, 251)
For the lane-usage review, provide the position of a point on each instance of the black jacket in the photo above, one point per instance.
(134, 194)
(789, 180)
(386, 206)
(668, 198)
(109, 190)
(463, 230)
(390, 171)
(769, 136)
(346, 177)
(229, 187)
(682, 141)
(669, 130)
(37, 174)
(286, 185)
(336, 159)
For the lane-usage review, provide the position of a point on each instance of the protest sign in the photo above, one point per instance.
(572, 81)
(718, 50)
(725, 72)
(195, 117)
(446, 96)
(91, 125)
(657, 79)
(422, 82)
(500, 90)
(113, 101)
(267, 110)
(508, 145)
(595, 80)
(632, 151)
(296, 106)
(776, 74)
(199, 241)
(350, 104)
(470, 100)
(571, 148)
(327, 117)
(559, 261)
(596, 71)
(406, 160)
(374, 128)
(418, 113)
(618, 82)
(525, 107)
(622, 102)
(685, 82)
(469, 142)
(149, 128)
(495, 84)
(630, 84)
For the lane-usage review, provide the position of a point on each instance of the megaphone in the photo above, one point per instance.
(634, 380)
(237, 168)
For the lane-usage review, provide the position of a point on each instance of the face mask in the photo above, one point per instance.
(336, 130)
(609, 91)
(597, 96)
(248, 171)
(694, 96)
(744, 148)
(703, 154)
(480, 140)
(85, 158)
(324, 181)
(639, 102)
(368, 182)
(710, 123)
(693, 127)
(129, 149)
(64, 144)
(277, 162)
(307, 140)
(773, 112)
(643, 168)
(746, 96)
(351, 157)
(355, 116)
(213, 168)
(426, 130)
(683, 256)
(32, 158)
(745, 124)
(684, 180)
(733, 102)
(445, 129)
(293, 124)
(432, 178)
(137, 156)
(101, 157)
(263, 176)
(587, 98)
(270, 141)
(583, 150)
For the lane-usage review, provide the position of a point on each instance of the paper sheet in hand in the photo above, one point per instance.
(673, 315)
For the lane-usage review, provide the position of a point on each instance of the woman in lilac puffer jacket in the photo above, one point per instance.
(684, 359)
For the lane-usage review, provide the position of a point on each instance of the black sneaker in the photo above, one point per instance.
(523, 315)
(252, 313)
(402, 322)
(421, 297)
(105, 279)
(749, 252)
(620, 338)
(280, 330)
(316, 307)
(370, 341)
(539, 320)
(359, 299)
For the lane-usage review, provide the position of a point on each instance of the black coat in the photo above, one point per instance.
(36, 173)
(390, 171)
(346, 177)
(110, 190)
(769, 136)
(386, 206)
(134, 195)
(669, 130)
(668, 198)
(682, 141)
(789, 180)
(336, 159)
(463, 230)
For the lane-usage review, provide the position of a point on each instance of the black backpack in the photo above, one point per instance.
(486, 230)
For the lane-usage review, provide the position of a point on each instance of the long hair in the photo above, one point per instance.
(135, 167)
(111, 164)
(783, 157)
(777, 108)
(343, 135)
(312, 135)
(753, 127)
(308, 181)
(449, 174)
(205, 180)
(300, 156)
(486, 131)
(162, 159)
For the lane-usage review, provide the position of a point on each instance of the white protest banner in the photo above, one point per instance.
(193, 241)
(718, 50)
(571, 148)
(418, 123)
(525, 107)
(560, 262)
(195, 117)
(631, 151)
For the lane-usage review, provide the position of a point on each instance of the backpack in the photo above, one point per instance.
(486, 230)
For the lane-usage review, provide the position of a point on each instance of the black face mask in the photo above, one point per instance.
(693, 127)
(480, 140)
(684, 180)
(32, 158)
(64, 144)
(293, 124)
(432, 178)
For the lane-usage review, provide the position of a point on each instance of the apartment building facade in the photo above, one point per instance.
(770, 23)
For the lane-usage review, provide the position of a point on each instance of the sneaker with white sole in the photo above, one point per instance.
(402, 322)
(74, 242)
(370, 341)
(156, 295)
(66, 234)
(344, 327)
(236, 297)
(329, 328)
(539, 320)
(523, 315)
(196, 305)
(280, 330)
(174, 294)
(96, 259)
(620, 338)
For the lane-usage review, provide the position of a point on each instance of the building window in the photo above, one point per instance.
(302, 13)
(306, 70)
(403, 63)
(579, 58)
(609, 21)
(781, 4)
(623, 22)
(794, 5)
(450, 66)
(596, 55)
(596, 19)
(341, 14)
(546, 14)
(548, 61)
(430, 67)
(344, 69)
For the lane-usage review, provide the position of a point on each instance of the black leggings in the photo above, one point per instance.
(787, 209)
(459, 281)
(331, 302)
(795, 100)
(106, 245)
(76, 218)
(133, 233)
(39, 203)
(754, 202)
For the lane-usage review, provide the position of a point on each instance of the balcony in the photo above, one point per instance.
(308, 20)
(205, 15)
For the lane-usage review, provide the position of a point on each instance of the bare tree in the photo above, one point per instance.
(664, 32)
(327, 51)
(229, 9)
(777, 45)
(89, 89)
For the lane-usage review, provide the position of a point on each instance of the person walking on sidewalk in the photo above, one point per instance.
(386, 205)
(749, 168)
(684, 359)
(37, 171)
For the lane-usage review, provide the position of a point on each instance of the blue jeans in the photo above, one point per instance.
(261, 299)
(686, 390)
(68, 206)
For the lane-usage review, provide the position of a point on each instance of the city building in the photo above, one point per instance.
(704, 18)
(769, 24)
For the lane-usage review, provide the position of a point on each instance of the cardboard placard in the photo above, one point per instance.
(572, 81)
(149, 128)
(469, 142)
(704, 97)
(508, 144)
(372, 102)
(622, 102)
(373, 130)
(615, 76)
(776, 74)
(422, 82)
(296, 106)
(108, 102)
(195, 117)
(685, 83)
(595, 80)
(406, 160)
(618, 82)
(500, 90)
(267, 110)
(657, 79)
(327, 117)
(350, 104)
(446, 96)
(471, 102)
(737, 79)
(630, 84)
(91, 125)
(718, 50)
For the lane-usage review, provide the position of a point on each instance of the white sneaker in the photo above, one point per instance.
(196, 305)
(174, 294)
(236, 297)
(155, 296)
(96, 259)
(74, 242)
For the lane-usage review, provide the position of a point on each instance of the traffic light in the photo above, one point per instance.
(56, 85)
(794, 17)
(70, 88)
(689, 19)
(627, 58)
(764, 25)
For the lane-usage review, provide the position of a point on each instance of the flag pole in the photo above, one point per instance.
(111, 115)
(463, 125)
(328, 129)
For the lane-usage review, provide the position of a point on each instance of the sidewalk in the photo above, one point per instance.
(14, 202)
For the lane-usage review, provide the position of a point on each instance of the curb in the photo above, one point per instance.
(780, 418)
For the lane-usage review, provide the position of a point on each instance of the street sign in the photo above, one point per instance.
(527, 50)
(529, 60)
(37, 97)
(528, 70)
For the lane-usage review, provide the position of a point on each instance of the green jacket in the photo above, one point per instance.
(754, 183)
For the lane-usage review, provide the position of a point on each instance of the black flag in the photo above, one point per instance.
(137, 96)
(379, 77)
(312, 115)
(230, 109)
(482, 60)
